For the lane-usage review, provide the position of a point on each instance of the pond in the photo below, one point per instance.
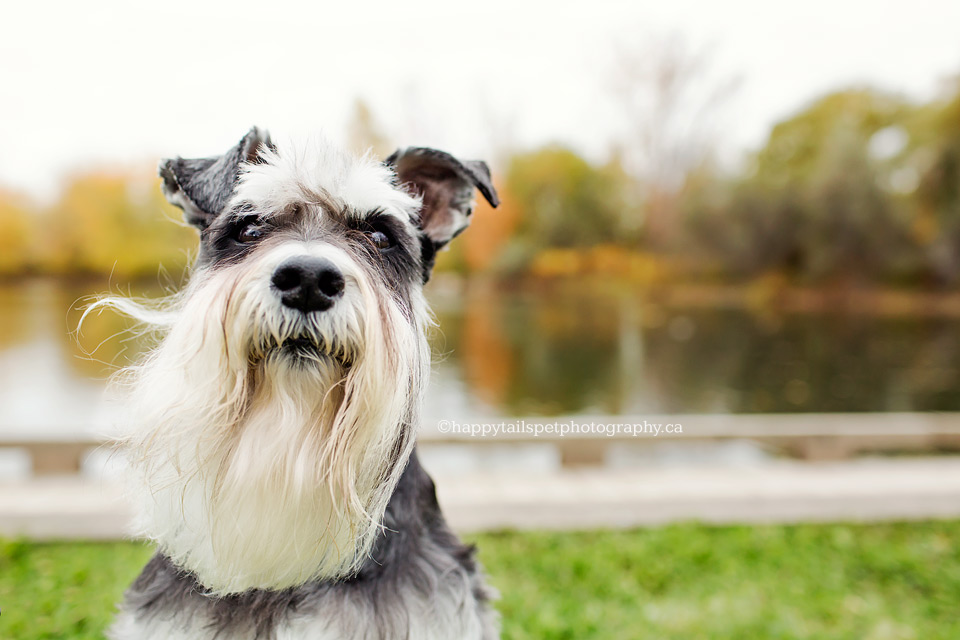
(537, 351)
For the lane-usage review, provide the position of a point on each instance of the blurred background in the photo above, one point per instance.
(741, 216)
(743, 209)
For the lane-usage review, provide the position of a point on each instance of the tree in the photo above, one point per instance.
(18, 233)
(670, 105)
(819, 199)
(935, 157)
(564, 201)
(115, 223)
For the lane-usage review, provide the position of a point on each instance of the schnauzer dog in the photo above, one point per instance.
(272, 429)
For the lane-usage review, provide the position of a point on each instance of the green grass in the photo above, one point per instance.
(866, 582)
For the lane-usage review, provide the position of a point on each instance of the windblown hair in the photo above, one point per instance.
(265, 469)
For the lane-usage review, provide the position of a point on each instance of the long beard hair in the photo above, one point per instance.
(262, 468)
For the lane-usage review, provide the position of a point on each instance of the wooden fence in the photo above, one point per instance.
(815, 436)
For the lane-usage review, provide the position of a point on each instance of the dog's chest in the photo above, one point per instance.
(454, 612)
(419, 583)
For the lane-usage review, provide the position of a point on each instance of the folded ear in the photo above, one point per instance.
(202, 186)
(446, 186)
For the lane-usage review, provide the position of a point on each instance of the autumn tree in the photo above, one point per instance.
(565, 201)
(822, 198)
(934, 158)
(116, 222)
(17, 240)
(670, 101)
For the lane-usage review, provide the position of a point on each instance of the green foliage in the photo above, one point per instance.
(861, 185)
(564, 201)
(820, 200)
(799, 150)
(843, 582)
(935, 155)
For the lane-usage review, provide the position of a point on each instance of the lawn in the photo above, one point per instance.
(861, 582)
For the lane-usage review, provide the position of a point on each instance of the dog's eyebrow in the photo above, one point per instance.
(293, 210)
(243, 210)
(359, 214)
(351, 213)
(331, 207)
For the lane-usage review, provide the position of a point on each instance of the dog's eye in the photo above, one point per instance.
(381, 240)
(250, 232)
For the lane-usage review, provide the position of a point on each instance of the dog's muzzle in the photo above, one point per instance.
(308, 283)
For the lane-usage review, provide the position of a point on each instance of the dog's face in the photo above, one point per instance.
(272, 423)
(314, 230)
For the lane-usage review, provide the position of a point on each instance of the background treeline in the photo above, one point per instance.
(859, 186)
(103, 222)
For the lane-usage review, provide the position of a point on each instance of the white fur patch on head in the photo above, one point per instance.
(296, 173)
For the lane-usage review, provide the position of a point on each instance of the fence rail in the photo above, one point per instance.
(815, 436)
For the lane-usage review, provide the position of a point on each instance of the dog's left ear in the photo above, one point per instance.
(203, 186)
(446, 186)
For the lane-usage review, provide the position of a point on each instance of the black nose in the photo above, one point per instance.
(308, 284)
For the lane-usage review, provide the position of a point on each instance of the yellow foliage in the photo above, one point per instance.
(17, 234)
(925, 227)
(765, 290)
(553, 263)
(116, 223)
(602, 260)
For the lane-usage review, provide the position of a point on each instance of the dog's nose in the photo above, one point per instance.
(308, 283)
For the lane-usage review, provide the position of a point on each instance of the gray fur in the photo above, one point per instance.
(202, 186)
(415, 554)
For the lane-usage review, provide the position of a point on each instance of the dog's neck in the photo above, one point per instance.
(412, 522)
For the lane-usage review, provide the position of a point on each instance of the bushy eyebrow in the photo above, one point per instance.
(243, 210)
(356, 214)
(248, 210)
(337, 212)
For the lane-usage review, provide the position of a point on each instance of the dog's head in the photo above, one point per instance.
(319, 229)
(273, 421)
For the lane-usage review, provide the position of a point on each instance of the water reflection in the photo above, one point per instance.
(539, 351)
(575, 350)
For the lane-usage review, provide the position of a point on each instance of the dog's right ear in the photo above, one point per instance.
(203, 186)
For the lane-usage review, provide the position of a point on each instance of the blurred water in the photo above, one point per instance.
(570, 350)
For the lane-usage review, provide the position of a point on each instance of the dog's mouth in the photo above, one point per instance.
(305, 349)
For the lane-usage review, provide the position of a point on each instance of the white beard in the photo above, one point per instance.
(257, 470)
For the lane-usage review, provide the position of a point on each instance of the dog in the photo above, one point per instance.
(271, 432)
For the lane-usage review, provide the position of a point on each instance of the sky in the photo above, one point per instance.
(120, 83)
